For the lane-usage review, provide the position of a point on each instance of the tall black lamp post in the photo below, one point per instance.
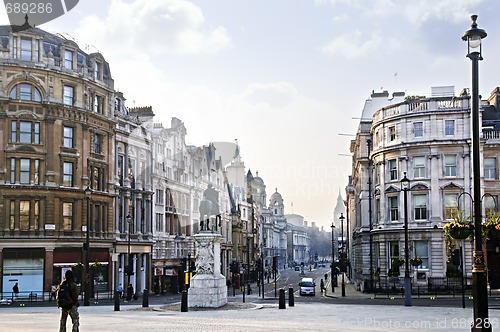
(129, 261)
(333, 262)
(342, 257)
(405, 186)
(86, 294)
(473, 36)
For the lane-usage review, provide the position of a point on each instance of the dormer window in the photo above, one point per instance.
(98, 71)
(68, 59)
(23, 48)
(26, 49)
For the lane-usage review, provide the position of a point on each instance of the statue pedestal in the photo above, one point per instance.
(208, 287)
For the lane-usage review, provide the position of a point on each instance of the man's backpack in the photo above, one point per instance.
(63, 295)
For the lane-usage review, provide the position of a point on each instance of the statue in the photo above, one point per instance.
(209, 206)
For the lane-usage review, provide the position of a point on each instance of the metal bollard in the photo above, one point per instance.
(184, 301)
(282, 304)
(117, 301)
(145, 298)
(291, 300)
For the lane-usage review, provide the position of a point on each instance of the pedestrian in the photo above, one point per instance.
(53, 290)
(322, 286)
(15, 290)
(120, 291)
(70, 309)
(326, 276)
(130, 292)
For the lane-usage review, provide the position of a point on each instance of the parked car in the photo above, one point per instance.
(297, 268)
(307, 287)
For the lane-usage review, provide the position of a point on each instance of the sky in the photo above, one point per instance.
(287, 78)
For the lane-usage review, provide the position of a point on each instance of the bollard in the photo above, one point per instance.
(145, 298)
(282, 304)
(184, 301)
(117, 301)
(291, 301)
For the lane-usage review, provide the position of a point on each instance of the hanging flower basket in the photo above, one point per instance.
(459, 229)
(491, 228)
(417, 261)
(95, 266)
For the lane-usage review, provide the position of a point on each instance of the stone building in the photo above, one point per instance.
(428, 140)
(57, 125)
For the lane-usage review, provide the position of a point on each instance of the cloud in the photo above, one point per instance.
(276, 95)
(354, 44)
(154, 27)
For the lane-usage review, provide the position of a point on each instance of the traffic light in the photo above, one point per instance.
(275, 263)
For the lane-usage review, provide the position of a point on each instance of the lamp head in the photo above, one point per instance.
(405, 182)
(87, 191)
(341, 217)
(473, 36)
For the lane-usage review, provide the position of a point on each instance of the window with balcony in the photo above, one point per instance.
(393, 208)
(419, 167)
(25, 91)
(490, 168)
(418, 128)
(420, 209)
(450, 165)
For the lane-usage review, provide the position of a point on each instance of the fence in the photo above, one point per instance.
(394, 286)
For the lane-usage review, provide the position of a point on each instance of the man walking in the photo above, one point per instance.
(15, 290)
(67, 299)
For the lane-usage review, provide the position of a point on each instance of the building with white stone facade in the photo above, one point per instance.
(428, 139)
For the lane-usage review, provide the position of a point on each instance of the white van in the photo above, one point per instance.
(307, 287)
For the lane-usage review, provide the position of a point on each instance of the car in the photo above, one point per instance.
(307, 287)
(297, 268)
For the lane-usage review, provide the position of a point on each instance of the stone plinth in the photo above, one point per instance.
(208, 287)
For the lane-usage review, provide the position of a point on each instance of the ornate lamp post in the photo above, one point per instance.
(473, 36)
(86, 294)
(342, 257)
(405, 186)
(333, 261)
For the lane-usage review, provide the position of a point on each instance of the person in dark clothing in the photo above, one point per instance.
(130, 292)
(15, 290)
(71, 309)
(322, 285)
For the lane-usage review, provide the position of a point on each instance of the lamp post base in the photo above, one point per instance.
(407, 291)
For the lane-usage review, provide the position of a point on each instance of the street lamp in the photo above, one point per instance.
(129, 267)
(342, 258)
(405, 186)
(86, 294)
(333, 261)
(473, 36)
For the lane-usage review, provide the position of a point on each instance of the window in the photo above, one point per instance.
(12, 170)
(68, 137)
(97, 143)
(68, 59)
(12, 215)
(377, 210)
(36, 174)
(393, 250)
(68, 174)
(24, 215)
(418, 129)
(450, 205)
(98, 104)
(490, 204)
(24, 171)
(393, 208)
(450, 165)
(25, 91)
(422, 251)
(14, 48)
(418, 167)
(97, 178)
(449, 127)
(392, 133)
(67, 213)
(159, 196)
(420, 207)
(98, 71)
(393, 169)
(490, 168)
(68, 98)
(26, 49)
(25, 132)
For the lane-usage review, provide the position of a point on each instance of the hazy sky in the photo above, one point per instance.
(284, 77)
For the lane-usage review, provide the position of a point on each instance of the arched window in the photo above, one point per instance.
(25, 91)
